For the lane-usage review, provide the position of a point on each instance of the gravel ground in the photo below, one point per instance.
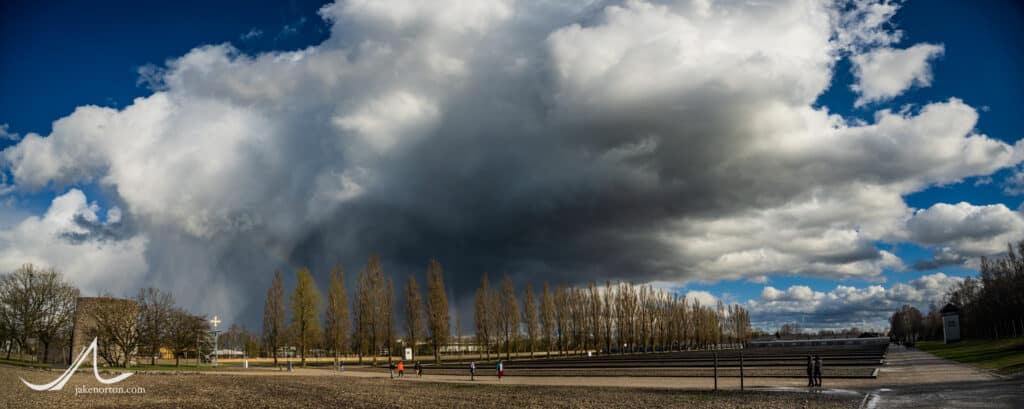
(250, 392)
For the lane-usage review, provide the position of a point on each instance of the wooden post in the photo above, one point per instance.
(716, 371)
(741, 370)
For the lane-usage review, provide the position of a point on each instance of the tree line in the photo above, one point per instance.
(370, 329)
(991, 305)
(37, 311)
(620, 317)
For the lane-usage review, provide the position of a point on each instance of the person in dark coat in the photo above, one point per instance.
(810, 371)
(817, 370)
(419, 369)
(472, 371)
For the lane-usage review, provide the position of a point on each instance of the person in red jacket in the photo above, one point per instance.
(401, 369)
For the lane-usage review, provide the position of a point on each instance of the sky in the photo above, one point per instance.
(818, 162)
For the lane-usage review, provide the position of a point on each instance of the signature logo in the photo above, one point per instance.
(58, 384)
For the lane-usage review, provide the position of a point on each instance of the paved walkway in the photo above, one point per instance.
(915, 379)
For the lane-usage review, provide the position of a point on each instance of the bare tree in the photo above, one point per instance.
(36, 304)
(6, 325)
(413, 312)
(361, 326)
(484, 315)
(305, 305)
(437, 309)
(389, 318)
(530, 318)
(577, 318)
(607, 315)
(336, 316)
(58, 306)
(625, 316)
(547, 316)
(371, 309)
(155, 308)
(274, 316)
(184, 332)
(508, 315)
(115, 327)
(562, 317)
(907, 324)
(594, 313)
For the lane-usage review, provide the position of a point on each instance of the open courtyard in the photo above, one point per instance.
(909, 378)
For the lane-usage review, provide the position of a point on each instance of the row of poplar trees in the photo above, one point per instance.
(369, 327)
(619, 317)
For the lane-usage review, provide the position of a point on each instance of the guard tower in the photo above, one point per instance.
(950, 323)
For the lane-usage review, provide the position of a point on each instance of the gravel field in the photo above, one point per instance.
(234, 391)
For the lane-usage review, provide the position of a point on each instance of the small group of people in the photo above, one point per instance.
(814, 365)
(500, 368)
(401, 369)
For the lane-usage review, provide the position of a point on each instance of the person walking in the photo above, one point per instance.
(810, 371)
(501, 370)
(401, 369)
(391, 368)
(472, 371)
(419, 369)
(817, 370)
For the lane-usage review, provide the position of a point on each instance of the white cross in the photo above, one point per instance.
(215, 321)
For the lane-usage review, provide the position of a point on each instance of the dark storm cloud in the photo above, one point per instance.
(557, 142)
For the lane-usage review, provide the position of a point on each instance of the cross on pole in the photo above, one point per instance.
(215, 321)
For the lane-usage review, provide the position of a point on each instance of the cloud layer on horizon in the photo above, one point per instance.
(641, 141)
(846, 306)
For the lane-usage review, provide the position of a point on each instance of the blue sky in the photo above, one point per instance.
(61, 56)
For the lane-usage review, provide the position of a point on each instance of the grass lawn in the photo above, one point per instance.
(1004, 356)
(26, 364)
(184, 367)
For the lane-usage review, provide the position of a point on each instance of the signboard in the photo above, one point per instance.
(408, 354)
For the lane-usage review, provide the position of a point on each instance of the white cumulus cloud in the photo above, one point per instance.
(61, 239)
(884, 73)
(843, 306)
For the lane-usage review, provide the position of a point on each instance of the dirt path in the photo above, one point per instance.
(910, 379)
(302, 390)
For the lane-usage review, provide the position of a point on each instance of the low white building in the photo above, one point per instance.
(950, 323)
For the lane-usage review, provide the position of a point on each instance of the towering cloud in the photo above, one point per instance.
(571, 141)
